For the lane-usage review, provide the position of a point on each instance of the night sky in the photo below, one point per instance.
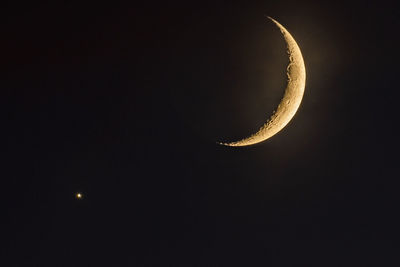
(124, 103)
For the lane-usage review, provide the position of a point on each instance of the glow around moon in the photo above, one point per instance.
(296, 73)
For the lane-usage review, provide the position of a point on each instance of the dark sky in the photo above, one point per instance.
(124, 103)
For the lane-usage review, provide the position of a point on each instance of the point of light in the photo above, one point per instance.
(78, 195)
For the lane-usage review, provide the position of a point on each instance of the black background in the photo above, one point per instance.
(125, 103)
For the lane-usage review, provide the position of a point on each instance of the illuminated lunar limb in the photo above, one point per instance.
(292, 97)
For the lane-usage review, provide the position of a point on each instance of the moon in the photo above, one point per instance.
(296, 73)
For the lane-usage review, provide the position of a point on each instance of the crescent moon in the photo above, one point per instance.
(296, 73)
